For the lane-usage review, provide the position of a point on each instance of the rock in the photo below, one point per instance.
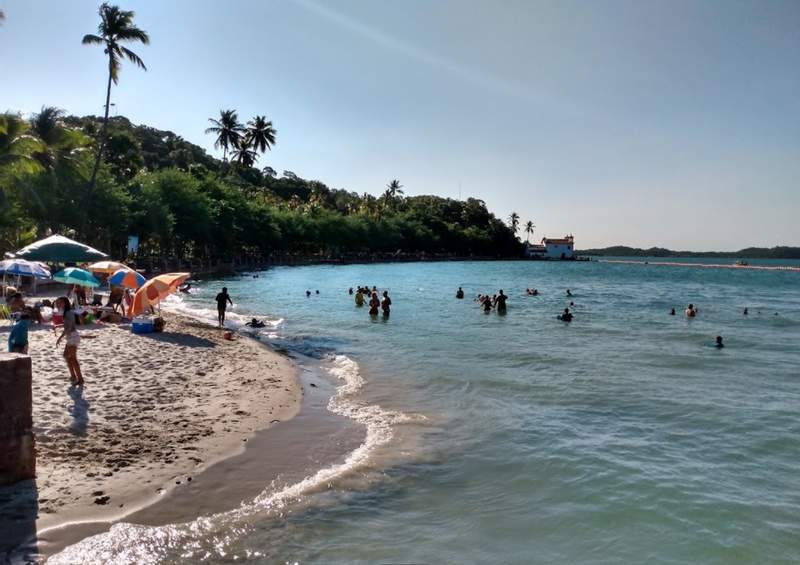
(98, 493)
(102, 500)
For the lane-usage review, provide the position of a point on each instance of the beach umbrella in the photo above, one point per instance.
(126, 278)
(24, 268)
(58, 248)
(74, 275)
(106, 267)
(155, 290)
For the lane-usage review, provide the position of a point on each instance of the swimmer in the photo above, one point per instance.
(386, 304)
(487, 304)
(460, 293)
(350, 291)
(308, 294)
(566, 316)
(317, 292)
(571, 304)
(672, 312)
(373, 304)
(255, 323)
(500, 302)
(690, 312)
(745, 312)
(719, 344)
(569, 292)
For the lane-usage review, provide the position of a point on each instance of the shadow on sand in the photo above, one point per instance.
(187, 340)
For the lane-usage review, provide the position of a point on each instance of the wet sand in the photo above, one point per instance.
(156, 410)
(283, 455)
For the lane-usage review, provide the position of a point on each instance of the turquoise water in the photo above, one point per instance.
(623, 437)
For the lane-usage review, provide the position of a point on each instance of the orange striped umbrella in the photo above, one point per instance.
(155, 290)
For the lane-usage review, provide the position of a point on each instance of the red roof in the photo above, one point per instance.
(560, 241)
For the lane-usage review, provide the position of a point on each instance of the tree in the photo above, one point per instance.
(260, 134)
(514, 221)
(529, 230)
(243, 155)
(394, 188)
(270, 172)
(116, 27)
(228, 131)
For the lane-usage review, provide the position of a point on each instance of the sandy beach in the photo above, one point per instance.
(156, 410)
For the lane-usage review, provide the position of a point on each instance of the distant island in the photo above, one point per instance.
(781, 252)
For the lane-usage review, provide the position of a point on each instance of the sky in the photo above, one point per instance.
(644, 122)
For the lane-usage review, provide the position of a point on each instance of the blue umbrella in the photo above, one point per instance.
(23, 268)
(74, 275)
(126, 278)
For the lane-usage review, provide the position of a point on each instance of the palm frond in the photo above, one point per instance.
(90, 39)
(133, 57)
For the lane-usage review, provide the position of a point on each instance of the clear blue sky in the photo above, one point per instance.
(673, 123)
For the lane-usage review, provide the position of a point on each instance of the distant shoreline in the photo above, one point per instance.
(779, 252)
(702, 265)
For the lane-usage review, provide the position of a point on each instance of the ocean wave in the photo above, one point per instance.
(208, 536)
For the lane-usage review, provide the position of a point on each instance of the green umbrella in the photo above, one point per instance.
(74, 275)
(60, 249)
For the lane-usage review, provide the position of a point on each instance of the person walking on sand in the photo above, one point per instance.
(223, 299)
(73, 340)
(373, 304)
(386, 304)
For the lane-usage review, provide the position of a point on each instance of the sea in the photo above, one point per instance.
(624, 436)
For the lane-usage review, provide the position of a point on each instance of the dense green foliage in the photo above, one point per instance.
(182, 202)
(748, 253)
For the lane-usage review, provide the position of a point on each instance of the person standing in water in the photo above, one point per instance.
(460, 293)
(373, 304)
(566, 316)
(690, 311)
(223, 299)
(386, 303)
(719, 344)
(486, 302)
(500, 302)
(359, 298)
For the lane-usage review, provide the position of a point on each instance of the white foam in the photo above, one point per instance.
(129, 543)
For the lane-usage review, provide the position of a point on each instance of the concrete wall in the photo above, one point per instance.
(17, 449)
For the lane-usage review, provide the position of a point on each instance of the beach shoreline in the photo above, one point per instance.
(156, 410)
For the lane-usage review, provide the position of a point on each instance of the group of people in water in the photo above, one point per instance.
(363, 295)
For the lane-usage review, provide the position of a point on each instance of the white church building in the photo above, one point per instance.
(559, 248)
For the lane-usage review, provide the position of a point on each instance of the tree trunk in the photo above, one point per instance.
(102, 141)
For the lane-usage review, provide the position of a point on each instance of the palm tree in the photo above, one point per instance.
(116, 27)
(260, 134)
(529, 230)
(17, 147)
(394, 188)
(60, 144)
(514, 220)
(244, 155)
(228, 131)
